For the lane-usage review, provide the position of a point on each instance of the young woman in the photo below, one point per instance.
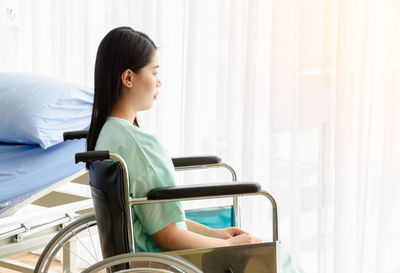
(126, 82)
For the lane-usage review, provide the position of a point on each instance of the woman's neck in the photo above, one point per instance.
(121, 110)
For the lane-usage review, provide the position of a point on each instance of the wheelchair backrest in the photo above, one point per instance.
(107, 186)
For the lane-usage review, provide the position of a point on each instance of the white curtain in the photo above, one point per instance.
(302, 96)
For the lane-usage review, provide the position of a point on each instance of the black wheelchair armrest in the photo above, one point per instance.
(75, 135)
(203, 190)
(195, 161)
(91, 156)
(177, 161)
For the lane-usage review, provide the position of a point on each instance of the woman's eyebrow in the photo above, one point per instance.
(157, 66)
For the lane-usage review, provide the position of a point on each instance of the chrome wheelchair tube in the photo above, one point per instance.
(218, 165)
(144, 200)
(128, 208)
(234, 179)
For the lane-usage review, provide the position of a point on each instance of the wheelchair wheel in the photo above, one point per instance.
(61, 253)
(144, 262)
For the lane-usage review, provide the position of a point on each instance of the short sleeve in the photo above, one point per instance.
(156, 216)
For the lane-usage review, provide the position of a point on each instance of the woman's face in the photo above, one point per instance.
(145, 84)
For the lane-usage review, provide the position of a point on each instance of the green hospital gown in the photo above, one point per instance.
(149, 166)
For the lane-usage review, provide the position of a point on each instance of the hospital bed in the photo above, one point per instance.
(35, 199)
(41, 188)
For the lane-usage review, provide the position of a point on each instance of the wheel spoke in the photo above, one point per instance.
(71, 251)
(91, 240)
(87, 250)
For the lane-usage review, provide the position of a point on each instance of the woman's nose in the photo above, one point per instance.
(158, 83)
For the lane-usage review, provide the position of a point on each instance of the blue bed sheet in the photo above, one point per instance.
(27, 169)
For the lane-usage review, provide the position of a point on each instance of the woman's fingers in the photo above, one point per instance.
(244, 238)
(234, 231)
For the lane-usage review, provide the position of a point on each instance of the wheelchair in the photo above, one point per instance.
(112, 223)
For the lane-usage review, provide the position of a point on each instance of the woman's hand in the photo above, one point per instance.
(226, 233)
(243, 239)
(223, 233)
(225, 236)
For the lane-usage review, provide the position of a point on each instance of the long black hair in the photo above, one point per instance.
(122, 48)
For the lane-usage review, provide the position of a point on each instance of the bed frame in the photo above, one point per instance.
(53, 208)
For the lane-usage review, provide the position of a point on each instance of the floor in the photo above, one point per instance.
(27, 258)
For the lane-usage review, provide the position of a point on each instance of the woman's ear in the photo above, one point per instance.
(127, 78)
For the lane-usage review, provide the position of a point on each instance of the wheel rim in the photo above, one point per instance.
(145, 262)
(78, 232)
(156, 262)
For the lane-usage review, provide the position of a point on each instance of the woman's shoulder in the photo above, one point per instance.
(117, 131)
(125, 125)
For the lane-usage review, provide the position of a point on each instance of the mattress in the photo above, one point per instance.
(28, 169)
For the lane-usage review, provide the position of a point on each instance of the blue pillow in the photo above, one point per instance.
(37, 109)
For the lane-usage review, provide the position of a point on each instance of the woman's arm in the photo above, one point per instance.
(198, 228)
(172, 237)
(223, 233)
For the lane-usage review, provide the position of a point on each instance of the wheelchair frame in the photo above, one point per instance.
(133, 201)
(61, 239)
(137, 201)
(191, 193)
